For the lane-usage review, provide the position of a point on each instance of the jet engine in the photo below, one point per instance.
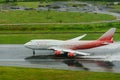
(70, 54)
(57, 52)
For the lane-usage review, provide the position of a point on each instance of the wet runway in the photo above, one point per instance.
(18, 55)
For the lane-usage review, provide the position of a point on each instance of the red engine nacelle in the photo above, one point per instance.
(70, 54)
(57, 53)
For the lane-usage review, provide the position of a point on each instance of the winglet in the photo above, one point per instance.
(77, 38)
(108, 36)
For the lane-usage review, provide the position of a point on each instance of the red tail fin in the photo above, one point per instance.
(108, 36)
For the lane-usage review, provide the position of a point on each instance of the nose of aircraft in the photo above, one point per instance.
(27, 44)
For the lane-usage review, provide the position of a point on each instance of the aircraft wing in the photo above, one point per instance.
(77, 38)
(64, 50)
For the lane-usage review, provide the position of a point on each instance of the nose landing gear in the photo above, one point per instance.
(33, 52)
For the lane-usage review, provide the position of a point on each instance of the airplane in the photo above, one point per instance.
(70, 47)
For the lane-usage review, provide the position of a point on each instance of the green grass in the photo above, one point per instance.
(16, 73)
(61, 27)
(28, 4)
(1, 1)
(50, 17)
(115, 8)
(32, 4)
(23, 38)
(28, 32)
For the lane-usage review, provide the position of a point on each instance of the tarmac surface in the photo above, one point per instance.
(18, 55)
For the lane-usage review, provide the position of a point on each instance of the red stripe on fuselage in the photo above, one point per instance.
(88, 45)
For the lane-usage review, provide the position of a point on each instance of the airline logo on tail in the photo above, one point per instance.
(108, 36)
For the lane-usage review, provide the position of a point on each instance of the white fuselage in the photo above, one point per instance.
(74, 45)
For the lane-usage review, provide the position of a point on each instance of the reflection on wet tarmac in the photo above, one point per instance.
(17, 55)
(71, 62)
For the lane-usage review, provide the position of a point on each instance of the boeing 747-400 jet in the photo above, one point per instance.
(71, 47)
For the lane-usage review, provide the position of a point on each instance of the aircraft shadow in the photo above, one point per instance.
(68, 61)
(48, 57)
(71, 62)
